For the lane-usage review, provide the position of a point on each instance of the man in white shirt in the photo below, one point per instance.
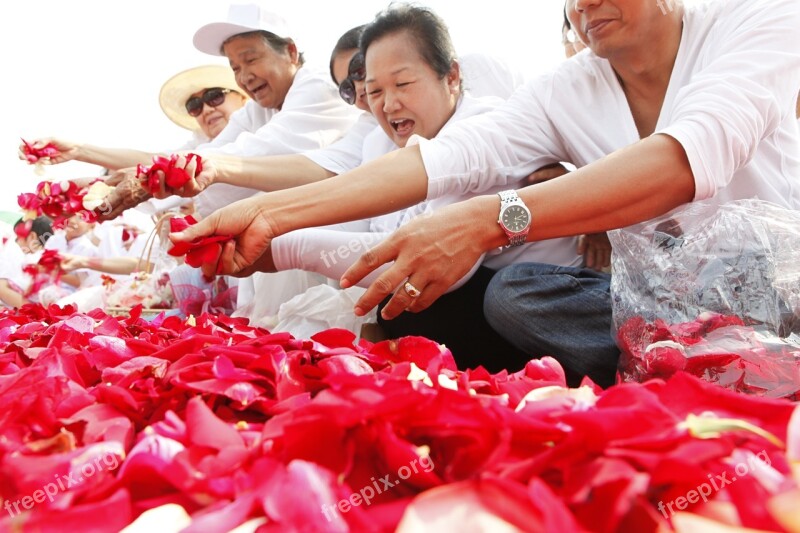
(293, 107)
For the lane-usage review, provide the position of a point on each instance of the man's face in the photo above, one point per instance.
(265, 74)
(76, 227)
(611, 26)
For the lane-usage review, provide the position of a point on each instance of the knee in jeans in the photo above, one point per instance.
(503, 305)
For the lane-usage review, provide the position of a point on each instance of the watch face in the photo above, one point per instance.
(515, 218)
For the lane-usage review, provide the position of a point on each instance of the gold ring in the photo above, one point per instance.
(411, 290)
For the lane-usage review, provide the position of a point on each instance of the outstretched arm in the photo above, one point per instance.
(634, 184)
(110, 158)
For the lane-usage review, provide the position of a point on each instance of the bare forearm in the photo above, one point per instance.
(637, 183)
(113, 265)
(392, 182)
(269, 173)
(112, 158)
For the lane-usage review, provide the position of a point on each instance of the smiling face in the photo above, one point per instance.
(341, 63)
(265, 74)
(405, 94)
(212, 120)
(30, 244)
(76, 227)
(609, 27)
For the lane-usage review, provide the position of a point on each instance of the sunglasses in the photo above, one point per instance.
(356, 71)
(214, 97)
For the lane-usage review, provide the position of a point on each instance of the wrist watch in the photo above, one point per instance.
(515, 218)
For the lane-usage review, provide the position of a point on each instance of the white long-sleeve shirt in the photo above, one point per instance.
(330, 251)
(312, 116)
(730, 103)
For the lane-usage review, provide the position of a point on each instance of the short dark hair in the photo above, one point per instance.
(567, 24)
(279, 44)
(350, 40)
(431, 35)
(42, 227)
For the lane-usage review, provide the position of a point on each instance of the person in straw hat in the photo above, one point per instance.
(201, 100)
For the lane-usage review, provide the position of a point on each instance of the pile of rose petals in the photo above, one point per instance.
(33, 155)
(166, 168)
(717, 348)
(199, 251)
(218, 424)
(57, 200)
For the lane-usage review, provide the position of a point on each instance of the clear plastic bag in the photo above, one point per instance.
(713, 290)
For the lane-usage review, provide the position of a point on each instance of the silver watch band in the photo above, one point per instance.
(517, 240)
(507, 197)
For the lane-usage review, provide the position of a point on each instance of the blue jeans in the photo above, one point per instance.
(563, 312)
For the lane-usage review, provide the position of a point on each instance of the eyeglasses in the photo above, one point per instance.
(356, 71)
(214, 97)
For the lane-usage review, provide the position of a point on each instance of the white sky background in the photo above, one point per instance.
(91, 70)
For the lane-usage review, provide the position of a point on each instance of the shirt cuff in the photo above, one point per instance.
(281, 252)
(435, 158)
(704, 187)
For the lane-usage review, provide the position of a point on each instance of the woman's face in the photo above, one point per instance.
(405, 94)
(212, 120)
(341, 63)
(265, 74)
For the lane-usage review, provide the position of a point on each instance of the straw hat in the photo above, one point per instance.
(181, 86)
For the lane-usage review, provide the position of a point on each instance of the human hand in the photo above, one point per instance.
(67, 151)
(127, 193)
(431, 253)
(546, 173)
(73, 262)
(197, 181)
(596, 250)
(248, 222)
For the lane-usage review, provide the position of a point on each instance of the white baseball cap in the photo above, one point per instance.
(242, 18)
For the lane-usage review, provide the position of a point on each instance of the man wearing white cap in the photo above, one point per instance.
(294, 108)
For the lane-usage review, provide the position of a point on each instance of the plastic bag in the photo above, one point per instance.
(320, 308)
(712, 290)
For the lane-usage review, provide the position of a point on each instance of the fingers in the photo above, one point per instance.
(432, 292)
(205, 227)
(546, 173)
(369, 261)
(116, 178)
(596, 258)
(381, 288)
(394, 278)
(224, 263)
